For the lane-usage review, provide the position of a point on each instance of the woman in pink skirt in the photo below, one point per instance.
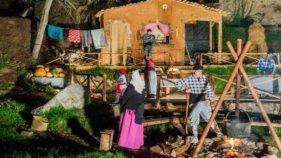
(131, 120)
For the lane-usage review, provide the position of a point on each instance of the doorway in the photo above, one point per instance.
(196, 38)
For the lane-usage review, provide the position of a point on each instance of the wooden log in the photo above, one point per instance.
(259, 104)
(219, 103)
(106, 140)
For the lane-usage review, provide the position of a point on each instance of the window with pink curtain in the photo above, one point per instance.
(160, 31)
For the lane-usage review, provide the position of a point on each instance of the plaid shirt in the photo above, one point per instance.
(197, 86)
(266, 65)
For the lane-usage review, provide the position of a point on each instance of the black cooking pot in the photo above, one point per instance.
(238, 126)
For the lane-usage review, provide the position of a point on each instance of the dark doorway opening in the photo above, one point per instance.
(196, 38)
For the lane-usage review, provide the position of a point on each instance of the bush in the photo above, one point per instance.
(58, 117)
(99, 71)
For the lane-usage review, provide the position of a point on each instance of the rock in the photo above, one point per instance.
(27, 133)
(272, 150)
(208, 141)
(216, 139)
(73, 96)
(260, 145)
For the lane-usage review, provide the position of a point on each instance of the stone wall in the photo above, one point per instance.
(270, 8)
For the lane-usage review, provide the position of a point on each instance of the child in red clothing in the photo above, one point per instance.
(121, 85)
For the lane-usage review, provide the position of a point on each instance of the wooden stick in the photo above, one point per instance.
(219, 103)
(238, 80)
(186, 114)
(251, 87)
(104, 88)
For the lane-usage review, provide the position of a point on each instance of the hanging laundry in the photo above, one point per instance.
(98, 38)
(55, 32)
(74, 36)
(86, 40)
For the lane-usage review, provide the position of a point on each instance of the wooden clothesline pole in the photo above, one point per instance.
(219, 103)
(41, 29)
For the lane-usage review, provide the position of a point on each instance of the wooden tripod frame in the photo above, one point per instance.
(238, 66)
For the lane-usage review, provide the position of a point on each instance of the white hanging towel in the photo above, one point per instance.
(98, 38)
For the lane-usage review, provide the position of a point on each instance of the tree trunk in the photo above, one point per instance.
(41, 30)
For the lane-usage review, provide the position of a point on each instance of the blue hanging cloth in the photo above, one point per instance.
(55, 32)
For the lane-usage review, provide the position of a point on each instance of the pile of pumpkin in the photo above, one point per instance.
(46, 71)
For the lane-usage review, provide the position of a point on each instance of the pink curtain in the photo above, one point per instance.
(164, 28)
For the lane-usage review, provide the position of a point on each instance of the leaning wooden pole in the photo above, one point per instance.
(251, 88)
(219, 103)
(41, 29)
(238, 81)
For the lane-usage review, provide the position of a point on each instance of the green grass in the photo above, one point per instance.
(9, 104)
(10, 120)
(5, 61)
(9, 113)
(6, 86)
(55, 153)
(58, 117)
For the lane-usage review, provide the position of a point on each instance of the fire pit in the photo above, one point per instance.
(226, 147)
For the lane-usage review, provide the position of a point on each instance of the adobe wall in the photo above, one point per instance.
(176, 15)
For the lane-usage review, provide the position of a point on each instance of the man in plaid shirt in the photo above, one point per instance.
(266, 66)
(198, 86)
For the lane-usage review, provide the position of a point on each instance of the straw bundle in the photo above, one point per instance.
(257, 37)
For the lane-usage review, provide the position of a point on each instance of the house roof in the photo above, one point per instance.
(200, 6)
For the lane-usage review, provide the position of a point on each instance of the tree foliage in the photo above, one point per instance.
(77, 12)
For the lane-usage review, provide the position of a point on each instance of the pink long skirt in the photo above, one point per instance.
(130, 133)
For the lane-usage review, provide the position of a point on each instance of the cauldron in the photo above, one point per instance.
(238, 126)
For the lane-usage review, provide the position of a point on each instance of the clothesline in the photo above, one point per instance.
(85, 37)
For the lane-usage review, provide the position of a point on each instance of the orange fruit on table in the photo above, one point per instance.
(40, 72)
